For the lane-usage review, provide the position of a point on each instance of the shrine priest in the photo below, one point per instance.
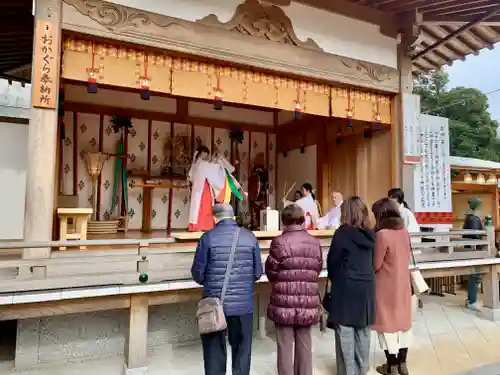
(332, 219)
(308, 205)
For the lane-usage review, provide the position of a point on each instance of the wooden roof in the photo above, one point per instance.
(16, 38)
(446, 19)
(451, 29)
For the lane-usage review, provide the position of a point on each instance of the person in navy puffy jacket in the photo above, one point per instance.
(208, 270)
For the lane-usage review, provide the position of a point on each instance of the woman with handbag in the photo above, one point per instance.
(293, 266)
(351, 302)
(393, 287)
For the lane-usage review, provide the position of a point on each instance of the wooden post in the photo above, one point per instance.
(136, 348)
(491, 297)
(397, 128)
(42, 143)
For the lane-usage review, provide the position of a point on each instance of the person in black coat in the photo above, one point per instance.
(473, 222)
(351, 306)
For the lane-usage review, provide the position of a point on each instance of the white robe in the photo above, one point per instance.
(308, 204)
(331, 220)
(201, 170)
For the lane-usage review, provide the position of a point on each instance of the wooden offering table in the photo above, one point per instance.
(78, 230)
(156, 182)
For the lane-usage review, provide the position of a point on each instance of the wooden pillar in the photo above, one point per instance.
(397, 128)
(136, 348)
(42, 145)
(491, 297)
(362, 182)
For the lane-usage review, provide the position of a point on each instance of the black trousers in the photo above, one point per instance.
(239, 332)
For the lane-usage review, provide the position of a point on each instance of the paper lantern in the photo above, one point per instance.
(467, 178)
(492, 179)
(480, 179)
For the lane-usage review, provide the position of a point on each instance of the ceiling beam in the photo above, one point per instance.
(433, 35)
(457, 32)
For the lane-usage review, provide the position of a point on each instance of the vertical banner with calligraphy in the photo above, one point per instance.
(432, 177)
(45, 65)
(411, 129)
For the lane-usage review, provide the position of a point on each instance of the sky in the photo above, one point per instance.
(481, 72)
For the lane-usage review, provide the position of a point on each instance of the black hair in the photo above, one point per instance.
(200, 150)
(399, 196)
(307, 186)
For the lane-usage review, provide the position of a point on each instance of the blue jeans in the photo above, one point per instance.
(474, 280)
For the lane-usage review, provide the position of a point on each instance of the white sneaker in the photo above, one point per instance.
(474, 306)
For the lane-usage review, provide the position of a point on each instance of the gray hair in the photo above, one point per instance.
(223, 211)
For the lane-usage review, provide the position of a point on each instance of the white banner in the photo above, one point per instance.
(412, 128)
(432, 180)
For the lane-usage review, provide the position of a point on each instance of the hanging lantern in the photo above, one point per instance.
(144, 81)
(218, 99)
(92, 77)
(92, 83)
(467, 178)
(349, 111)
(145, 93)
(492, 179)
(480, 179)
(297, 113)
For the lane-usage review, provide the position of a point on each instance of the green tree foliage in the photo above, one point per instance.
(472, 131)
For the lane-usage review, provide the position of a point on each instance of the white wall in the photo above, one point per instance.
(13, 169)
(334, 33)
(296, 167)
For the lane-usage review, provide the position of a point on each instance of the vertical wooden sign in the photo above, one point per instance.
(45, 65)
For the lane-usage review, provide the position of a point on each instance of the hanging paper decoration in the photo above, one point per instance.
(92, 74)
(144, 81)
(349, 110)
(218, 99)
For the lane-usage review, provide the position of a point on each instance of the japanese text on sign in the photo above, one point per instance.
(45, 74)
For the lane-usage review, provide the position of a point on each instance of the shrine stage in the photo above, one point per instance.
(186, 238)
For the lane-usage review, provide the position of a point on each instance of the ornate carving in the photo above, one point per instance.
(376, 73)
(210, 38)
(115, 17)
(263, 21)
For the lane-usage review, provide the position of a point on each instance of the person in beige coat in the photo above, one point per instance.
(393, 305)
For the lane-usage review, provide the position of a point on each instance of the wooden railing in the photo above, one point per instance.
(121, 262)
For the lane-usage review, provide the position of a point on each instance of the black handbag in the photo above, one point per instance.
(327, 296)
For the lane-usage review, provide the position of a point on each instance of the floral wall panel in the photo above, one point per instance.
(67, 164)
(271, 152)
(258, 146)
(137, 160)
(87, 140)
(160, 133)
(222, 143)
(109, 145)
(202, 137)
(180, 197)
(243, 171)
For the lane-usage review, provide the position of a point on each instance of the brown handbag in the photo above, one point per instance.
(210, 313)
